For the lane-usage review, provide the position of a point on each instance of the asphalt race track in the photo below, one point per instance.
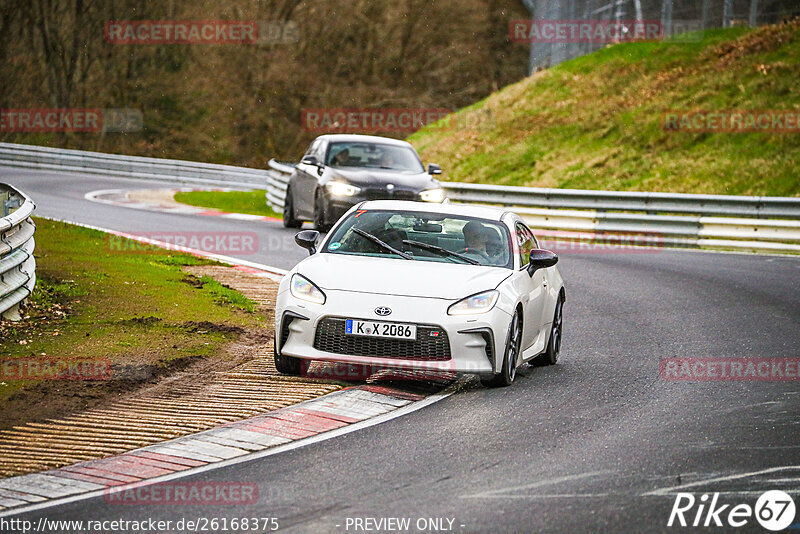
(597, 443)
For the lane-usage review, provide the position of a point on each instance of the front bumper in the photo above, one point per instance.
(474, 342)
(336, 206)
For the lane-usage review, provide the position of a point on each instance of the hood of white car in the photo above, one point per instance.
(391, 276)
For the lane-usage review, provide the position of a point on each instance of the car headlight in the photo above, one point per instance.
(302, 288)
(341, 189)
(479, 303)
(432, 195)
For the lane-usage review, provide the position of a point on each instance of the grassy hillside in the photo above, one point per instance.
(596, 122)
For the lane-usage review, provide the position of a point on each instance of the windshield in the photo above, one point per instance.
(423, 236)
(374, 156)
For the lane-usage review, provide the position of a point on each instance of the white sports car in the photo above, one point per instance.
(421, 286)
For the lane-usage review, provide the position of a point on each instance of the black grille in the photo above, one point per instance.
(330, 337)
(383, 194)
(489, 347)
(285, 330)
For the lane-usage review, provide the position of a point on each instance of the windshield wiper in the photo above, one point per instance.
(381, 244)
(440, 250)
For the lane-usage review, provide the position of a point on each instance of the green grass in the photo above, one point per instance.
(98, 298)
(595, 122)
(249, 202)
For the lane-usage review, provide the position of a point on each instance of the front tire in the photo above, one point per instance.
(288, 211)
(287, 365)
(510, 356)
(319, 213)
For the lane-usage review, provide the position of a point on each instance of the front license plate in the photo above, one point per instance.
(354, 327)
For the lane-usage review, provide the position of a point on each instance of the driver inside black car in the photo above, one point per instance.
(341, 158)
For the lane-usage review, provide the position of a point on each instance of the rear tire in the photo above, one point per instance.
(288, 365)
(288, 211)
(510, 356)
(550, 356)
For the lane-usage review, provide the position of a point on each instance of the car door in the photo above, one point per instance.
(306, 179)
(533, 288)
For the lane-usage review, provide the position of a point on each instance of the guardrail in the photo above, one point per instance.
(722, 205)
(734, 222)
(60, 159)
(715, 221)
(17, 264)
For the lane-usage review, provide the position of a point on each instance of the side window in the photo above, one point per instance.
(525, 243)
(320, 150)
(312, 150)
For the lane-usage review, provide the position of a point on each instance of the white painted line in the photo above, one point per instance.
(125, 202)
(243, 216)
(400, 412)
(673, 489)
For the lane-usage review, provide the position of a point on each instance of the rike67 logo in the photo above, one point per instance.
(774, 510)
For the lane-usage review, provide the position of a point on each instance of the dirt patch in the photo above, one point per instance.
(159, 197)
(763, 40)
(51, 399)
(204, 327)
(260, 289)
(58, 423)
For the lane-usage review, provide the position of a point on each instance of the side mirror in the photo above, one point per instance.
(434, 169)
(309, 160)
(541, 259)
(308, 240)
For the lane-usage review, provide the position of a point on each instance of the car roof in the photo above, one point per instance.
(357, 138)
(466, 210)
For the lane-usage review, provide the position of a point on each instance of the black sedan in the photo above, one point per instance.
(339, 171)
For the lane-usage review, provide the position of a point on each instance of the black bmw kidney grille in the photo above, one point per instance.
(431, 343)
(383, 194)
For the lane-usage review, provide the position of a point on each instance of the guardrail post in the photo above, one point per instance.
(727, 13)
(12, 314)
(8, 204)
(753, 21)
